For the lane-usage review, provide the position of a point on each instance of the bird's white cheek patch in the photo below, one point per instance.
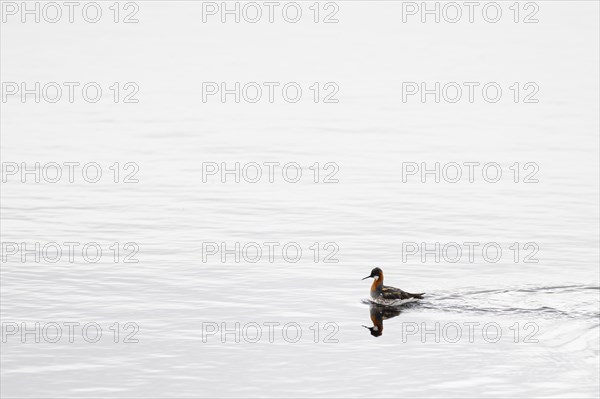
(376, 277)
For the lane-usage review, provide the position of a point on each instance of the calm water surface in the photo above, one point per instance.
(550, 308)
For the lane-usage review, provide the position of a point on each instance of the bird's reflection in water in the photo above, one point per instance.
(378, 314)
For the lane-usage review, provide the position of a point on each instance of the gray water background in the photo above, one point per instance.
(369, 213)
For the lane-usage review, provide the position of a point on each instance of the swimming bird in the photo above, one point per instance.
(380, 291)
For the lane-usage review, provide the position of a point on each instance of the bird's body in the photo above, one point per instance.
(380, 291)
(392, 293)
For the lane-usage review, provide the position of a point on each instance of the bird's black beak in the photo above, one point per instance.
(366, 277)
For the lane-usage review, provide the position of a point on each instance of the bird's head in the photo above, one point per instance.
(376, 273)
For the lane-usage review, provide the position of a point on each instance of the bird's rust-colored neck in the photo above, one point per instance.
(377, 283)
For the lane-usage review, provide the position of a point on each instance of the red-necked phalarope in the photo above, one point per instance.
(380, 291)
